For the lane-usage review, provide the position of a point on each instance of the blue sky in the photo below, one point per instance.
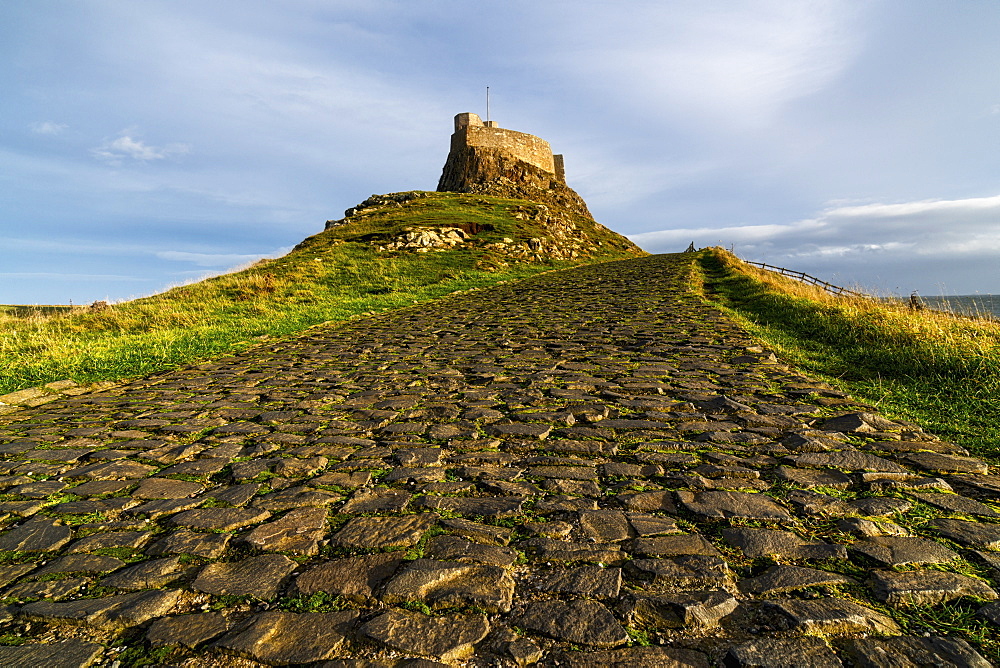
(147, 143)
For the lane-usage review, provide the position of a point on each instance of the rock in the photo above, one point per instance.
(36, 535)
(219, 519)
(860, 423)
(376, 501)
(109, 540)
(444, 584)
(281, 638)
(927, 587)
(779, 579)
(813, 478)
(829, 617)
(52, 590)
(605, 526)
(519, 430)
(122, 611)
(204, 545)
(754, 543)
(811, 443)
(694, 571)
(890, 482)
(71, 653)
(188, 631)
(941, 463)
(724, 505)
(80, 563)
(652, 525)
(260, 577)
(582, 622)
(879, 506)
(11, 572)
(703, 609)
(672, 546)
(116, 470)
(863, 528)
(973, 534)
(636, 657)
(481, 533)
(850, 460)
(354, 578)
(155, 508)
(454, 548)
(296, 497)
(446, 638)
(782, 653)
(588, 581)
(383, 532)
(523, 651)
(145, 574)
(166, 488)
(546, 549)
(298, 531)
(487, 507)
(990, 612)
(901, 551)
(955, 503)
(812, 503)
(648, 501)
(909, 652)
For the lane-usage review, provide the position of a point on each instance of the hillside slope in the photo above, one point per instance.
(391, 250)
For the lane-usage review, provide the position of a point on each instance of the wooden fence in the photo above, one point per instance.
(806, 278)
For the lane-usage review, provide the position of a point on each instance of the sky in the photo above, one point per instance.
(148, 143)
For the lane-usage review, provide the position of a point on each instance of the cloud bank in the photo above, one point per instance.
(869, 242)
(124, 147)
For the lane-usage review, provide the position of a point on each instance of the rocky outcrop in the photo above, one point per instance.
(425, 239)
(491, 171)
(376, 204)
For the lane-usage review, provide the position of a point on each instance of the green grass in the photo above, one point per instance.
(331, 276)
(936, 370)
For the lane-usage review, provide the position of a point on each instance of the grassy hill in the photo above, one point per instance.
(936, 369)
(394, 251)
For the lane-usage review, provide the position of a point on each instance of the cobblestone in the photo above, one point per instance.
(553, 472)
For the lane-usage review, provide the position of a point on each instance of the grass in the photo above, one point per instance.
(331, 276)
(937, 370)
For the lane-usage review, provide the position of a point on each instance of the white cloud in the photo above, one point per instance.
(737, 63)
(929, 230)
(125, 146)
(909, 209)
(47, 128)
(708, 236)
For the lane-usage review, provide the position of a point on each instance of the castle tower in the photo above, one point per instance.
(470, 130)
(488, 159)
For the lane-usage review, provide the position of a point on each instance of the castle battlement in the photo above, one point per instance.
(472, 131)
(495, 161)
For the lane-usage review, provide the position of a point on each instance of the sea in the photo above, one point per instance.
(980, 305)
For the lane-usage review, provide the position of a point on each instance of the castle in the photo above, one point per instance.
(495, 161)
(471, 130)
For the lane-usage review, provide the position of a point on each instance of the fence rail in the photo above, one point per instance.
(806, 278)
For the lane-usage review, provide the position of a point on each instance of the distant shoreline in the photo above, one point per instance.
(965, 304)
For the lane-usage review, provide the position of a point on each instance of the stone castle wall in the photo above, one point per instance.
(470, 130)
(504, 163)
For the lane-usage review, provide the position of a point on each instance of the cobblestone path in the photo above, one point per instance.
(589, 468)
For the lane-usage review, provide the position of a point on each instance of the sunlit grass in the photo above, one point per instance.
(938, 370)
